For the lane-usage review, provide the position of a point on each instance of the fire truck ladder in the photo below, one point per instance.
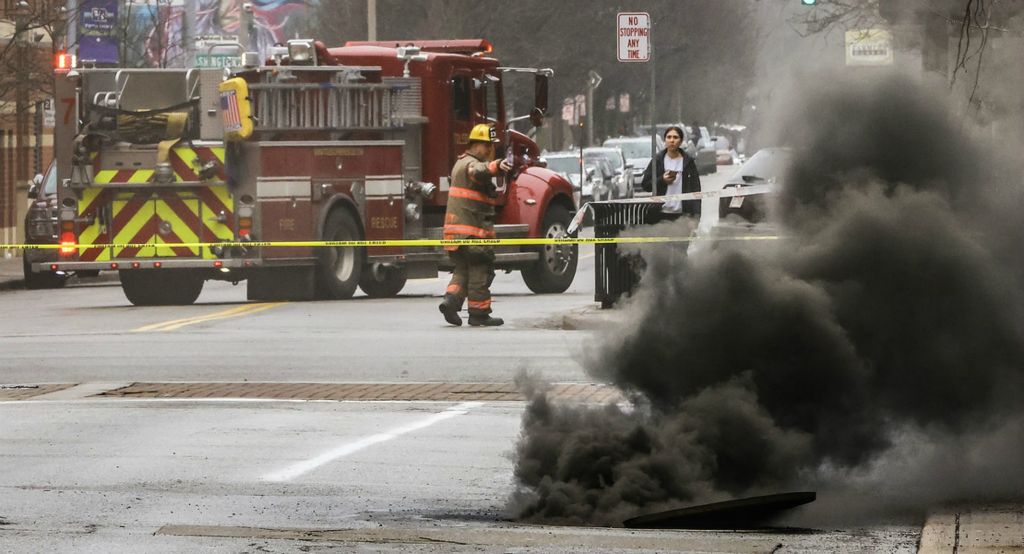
(332, 106)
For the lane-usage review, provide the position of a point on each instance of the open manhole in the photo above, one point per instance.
(742, 513)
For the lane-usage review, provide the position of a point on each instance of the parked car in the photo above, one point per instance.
(41, 228)
(567, 164)
(766, 167)
(688, 141)
(705, 156)
(637, 151)
(621, 184)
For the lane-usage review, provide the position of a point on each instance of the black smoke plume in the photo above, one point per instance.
(875, 352)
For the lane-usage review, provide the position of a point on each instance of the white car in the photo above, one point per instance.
(621, 185)
(567, 164)
(637, 151)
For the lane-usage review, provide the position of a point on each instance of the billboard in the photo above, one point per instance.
(275, 21)
(97, 32)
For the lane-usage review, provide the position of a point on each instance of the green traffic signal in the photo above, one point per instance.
(809, 2)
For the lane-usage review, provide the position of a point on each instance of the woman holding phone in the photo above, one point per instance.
(677, 173)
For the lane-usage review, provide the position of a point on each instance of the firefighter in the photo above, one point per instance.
(470, 215)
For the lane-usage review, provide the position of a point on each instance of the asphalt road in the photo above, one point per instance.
(87, 473)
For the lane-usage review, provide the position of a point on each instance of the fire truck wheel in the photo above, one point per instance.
(339, 269)
(556, 268)
(387, 283)
(144, 287)
(38, 281)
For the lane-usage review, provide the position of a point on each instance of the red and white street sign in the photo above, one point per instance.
(633, 36)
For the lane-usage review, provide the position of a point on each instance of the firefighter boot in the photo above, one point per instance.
(450, 308)
(485, 320)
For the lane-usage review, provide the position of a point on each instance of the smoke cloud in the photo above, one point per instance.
(875, 353)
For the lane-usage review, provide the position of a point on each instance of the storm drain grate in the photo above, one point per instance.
(454, 392)
(24, 392)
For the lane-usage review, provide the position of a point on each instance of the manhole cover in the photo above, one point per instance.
(742, 513)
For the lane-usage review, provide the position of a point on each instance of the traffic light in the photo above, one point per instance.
(809, 2)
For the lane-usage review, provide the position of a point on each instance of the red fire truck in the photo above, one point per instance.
(347, 143)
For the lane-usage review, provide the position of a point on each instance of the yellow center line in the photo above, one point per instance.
(245, 309)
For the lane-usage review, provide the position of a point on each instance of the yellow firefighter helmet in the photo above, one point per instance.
(483, 133)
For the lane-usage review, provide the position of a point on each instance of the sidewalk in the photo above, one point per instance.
(10, 273)
(11, 276)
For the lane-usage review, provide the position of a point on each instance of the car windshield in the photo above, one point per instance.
(50, 181)
(764, 166)
(640, 148)
(564, 164)
(613, 158)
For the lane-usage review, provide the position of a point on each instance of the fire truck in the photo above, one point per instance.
(158, 166)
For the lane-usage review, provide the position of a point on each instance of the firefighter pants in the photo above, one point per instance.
(474, 271)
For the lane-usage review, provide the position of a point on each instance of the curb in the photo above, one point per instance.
(592, 318)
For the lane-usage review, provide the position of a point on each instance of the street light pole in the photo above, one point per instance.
(371, 20)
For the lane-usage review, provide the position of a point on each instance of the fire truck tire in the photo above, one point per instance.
(556, 268)
(339, 269)
(160, 288)
(39, 281)
(391, 282)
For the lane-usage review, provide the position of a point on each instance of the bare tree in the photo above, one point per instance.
(25, 57)
(973, 21)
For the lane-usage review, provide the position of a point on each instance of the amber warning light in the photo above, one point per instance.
(63, 60)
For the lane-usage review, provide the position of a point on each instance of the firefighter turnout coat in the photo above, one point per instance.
(471, 200)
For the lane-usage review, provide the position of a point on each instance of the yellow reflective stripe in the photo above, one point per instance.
(219, 230)
(179, 227)
(88, 195)
(219, 152)
(126, 233)
(224, 196)
(186, 155)
(104, 176)
(141, 176)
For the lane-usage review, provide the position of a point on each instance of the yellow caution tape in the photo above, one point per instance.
(403, 242)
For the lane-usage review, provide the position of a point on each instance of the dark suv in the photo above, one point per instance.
(41, 228)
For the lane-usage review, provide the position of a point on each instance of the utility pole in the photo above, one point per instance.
(71, 27)
(188, 33)
(593, 81)
(371, 20)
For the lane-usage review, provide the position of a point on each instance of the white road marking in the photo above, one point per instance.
(305, 466)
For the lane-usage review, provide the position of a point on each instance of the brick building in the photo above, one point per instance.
(27, 28)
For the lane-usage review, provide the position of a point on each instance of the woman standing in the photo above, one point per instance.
(677, 173)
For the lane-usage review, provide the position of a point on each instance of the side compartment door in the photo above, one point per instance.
(285, 205)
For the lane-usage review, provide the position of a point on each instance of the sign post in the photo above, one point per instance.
(633, 40)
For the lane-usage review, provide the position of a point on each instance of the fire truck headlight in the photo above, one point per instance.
(301, 51)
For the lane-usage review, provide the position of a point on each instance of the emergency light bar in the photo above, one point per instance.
(459, 46)
(63, 60)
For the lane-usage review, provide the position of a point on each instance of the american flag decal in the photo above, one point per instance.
(229, 111)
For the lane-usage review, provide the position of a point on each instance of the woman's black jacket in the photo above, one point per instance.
(691, 180)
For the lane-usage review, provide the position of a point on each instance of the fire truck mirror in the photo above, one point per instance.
(235, 109)
(540, 94)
